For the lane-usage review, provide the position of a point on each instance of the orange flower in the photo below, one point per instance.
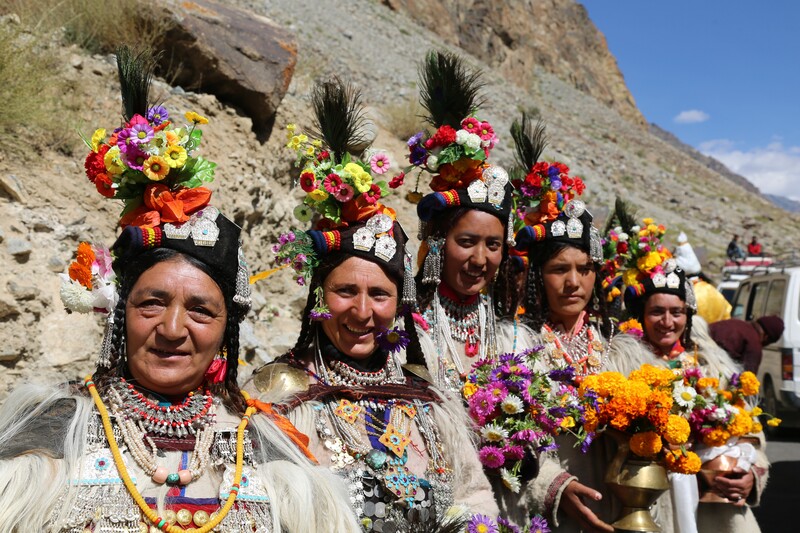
(163, 205)
(646, 444)
(81, 274)
(742, 424)
(658, 407)
(704, 383)
(85, 255)
(749, 383)
(677, 430)
(682, 462)
(716, 437)
(590, 420)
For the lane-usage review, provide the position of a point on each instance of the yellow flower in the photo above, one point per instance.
(310, 151)
(677, 431)
(646, 444)
(469, 389)
(652, 375)
(362, 181)
(774, 422)
(97, 138)
(194, 118)
(172, 137)
(629, 277)
(291, 127)
(568, 422)
(742, 424)
(757, 427)
(113, 161)
(175, 156)
(706, 383)
(316, 143)
(649, 261)
(682, 462)
(756, 411)
(156, 168)
(716, 437)
(647, 221)
(318, 195)
(749, 383)
(294, 142)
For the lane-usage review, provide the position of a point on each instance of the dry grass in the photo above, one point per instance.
(404, 117)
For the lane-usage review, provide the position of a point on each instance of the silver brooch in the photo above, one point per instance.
(673, 280)
(367, 236)
(659, 280)
(670, 265)
(490, 188)
(574, 209)
(558, 228)
(202, 226)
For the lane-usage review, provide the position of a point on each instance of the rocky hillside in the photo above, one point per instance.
(47, 206)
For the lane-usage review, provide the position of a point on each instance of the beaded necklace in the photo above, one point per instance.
(579, 350)
(133, 421)
(159, 522)
(463, 316)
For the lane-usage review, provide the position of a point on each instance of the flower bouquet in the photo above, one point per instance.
(519, 410)
(90, 284)
(543, 193)
(722, 424)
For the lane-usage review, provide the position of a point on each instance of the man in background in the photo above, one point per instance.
(734, 252)
(744, 341)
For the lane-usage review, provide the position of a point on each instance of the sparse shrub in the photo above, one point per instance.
(403, 117)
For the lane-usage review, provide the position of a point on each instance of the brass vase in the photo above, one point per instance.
(637, 483)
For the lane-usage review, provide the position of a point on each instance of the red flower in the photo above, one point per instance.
(373, 194)
(622, 247)
(332, 182)
(308, 181)
(579, 186)
(103, 184)
(323, 155)
(397, 180)
(94, 164)
(472, 125)
(533, 179)
(443, 136)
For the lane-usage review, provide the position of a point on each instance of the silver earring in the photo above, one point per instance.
(432, 268)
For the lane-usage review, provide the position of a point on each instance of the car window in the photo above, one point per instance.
(777, 290)
(742, 297)
(758, 297)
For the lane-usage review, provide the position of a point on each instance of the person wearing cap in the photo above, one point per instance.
(467, 296)
(711, 304)
(355, 381)
(160, 437)
(660, 297)
(744, 340)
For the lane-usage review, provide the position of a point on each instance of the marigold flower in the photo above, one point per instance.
(646, 444)
(707, 383)
(742, 424)
(81, 274)
(682, 462)
(468, 389)
(749, 383)
(85, 255)
(677, 430)
(194, 118)
(716, 437)
(156, 168)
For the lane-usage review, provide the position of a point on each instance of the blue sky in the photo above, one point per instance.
(722, 75)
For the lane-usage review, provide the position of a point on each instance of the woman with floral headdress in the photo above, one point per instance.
(160, 437)
(403, 449)
(464, 225)
(660, 299)
(566, 306)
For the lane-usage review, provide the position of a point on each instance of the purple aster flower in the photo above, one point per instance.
(506, 526)
(587, 442)
(547, 447)
(276, 248)
(124, 139)
(498, 390)
(734, 381)
(141, 134)
(514, 452)
(415, 139)
(301, 280)
(157, 114)
(491, 457)
(553, 172)
(316, 315)
(393, 340)
(525, 435)
(562, 374)
(482, 404)
(418, 155)
(591, 396)
(539, 525)
(555, 184)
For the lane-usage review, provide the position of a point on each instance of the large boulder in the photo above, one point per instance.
(244, 59)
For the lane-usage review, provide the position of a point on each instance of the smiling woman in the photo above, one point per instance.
(159, 437)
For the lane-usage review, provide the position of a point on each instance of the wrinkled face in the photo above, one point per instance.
(363, 301)
(568, 279)
(175, 321)
(664, 320)
(472, 252)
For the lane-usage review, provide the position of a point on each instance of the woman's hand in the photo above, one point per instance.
(735, 485)
(572, 503)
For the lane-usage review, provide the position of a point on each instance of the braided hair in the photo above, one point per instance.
(537, 308)
(309, 328)
(228, 390)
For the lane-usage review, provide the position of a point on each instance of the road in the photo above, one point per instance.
(778, 510)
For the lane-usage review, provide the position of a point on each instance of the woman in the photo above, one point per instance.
(160, 438)
(659, 295)
(403, 449)
(565, 303)
(465, 225)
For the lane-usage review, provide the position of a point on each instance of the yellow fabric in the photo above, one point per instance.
(711, 304)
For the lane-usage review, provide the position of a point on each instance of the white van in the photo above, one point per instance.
(776, 293)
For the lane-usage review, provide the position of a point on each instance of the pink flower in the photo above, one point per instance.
(379, 163)
(514, 452)
(332, 183)
(373, 194)
(491, 457)
(486, 131)
(471, 124)
(482, 404)
(344, 193)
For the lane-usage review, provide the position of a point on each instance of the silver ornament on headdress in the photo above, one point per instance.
(375, 232)
(595, 245)
(691, 299)
(432, 268)
(243, 294)
(409, 287)
(574, 209)
(201, 226)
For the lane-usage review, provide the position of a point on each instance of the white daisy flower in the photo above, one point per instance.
(432, 163)
(512, 405)
(494, 433)
(685, 396)
(510, 480)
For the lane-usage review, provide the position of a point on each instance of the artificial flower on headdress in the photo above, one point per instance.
(646, 258)
(616, 249)
(90, 284)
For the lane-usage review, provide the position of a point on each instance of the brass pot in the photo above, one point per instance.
(637, 484)
(722, 464)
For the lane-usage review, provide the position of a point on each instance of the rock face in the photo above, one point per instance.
(516, 36)
(242, 58)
